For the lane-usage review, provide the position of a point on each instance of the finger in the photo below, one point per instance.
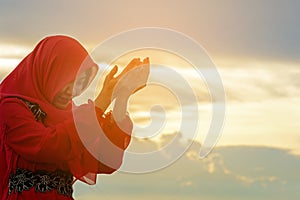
(132, 64)
(113, 71)
(111, 74)
(146, 61)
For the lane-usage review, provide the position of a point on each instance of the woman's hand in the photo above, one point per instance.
(133, 78)
(104, 97)
(130, 80)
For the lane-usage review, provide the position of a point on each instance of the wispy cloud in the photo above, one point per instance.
(229, 172)
(263, 82)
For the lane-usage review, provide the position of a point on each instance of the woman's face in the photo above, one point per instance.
(64, 97)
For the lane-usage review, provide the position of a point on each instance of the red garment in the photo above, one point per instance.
(58, 143)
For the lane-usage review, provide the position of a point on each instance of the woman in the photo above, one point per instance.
(43, 150)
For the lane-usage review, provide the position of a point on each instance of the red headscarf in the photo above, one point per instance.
(54, 62)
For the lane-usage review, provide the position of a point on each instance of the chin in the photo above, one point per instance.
(61, 106)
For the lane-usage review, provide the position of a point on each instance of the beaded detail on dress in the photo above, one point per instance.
(41, 181)
(35, 108)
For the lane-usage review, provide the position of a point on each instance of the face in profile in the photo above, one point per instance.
(73, 89)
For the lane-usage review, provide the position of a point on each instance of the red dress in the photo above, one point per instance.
(28, 144)
(41, 159)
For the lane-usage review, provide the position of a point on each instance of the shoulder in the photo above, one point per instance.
(13, 107)
(12, 102)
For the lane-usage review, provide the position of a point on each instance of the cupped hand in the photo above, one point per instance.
(134, 77)
(104, 97)
(130, 80)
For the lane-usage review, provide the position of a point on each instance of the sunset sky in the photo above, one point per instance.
(255, 46)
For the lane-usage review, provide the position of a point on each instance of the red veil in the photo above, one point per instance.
(54, 62)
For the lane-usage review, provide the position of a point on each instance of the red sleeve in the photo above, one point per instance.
(61, 143)
(106, 149)
(119, 134)
(35, 142)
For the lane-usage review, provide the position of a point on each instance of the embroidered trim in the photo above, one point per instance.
(43, 181)
(35, 108)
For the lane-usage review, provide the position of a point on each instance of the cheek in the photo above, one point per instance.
(55, 100)
(57, 97)
(54, 95)
(60, 89)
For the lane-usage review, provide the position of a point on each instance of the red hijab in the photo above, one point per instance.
(54, 62)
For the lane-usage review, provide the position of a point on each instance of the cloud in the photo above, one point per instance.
(240, 172)
(259, 83)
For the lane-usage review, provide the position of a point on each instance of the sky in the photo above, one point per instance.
(255, 48)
